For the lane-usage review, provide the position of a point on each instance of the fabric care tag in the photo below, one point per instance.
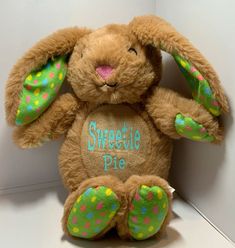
(172, 190)
(114, 140)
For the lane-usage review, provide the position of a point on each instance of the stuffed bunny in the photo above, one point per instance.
(118, 122)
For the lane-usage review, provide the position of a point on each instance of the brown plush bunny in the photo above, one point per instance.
(119, 123)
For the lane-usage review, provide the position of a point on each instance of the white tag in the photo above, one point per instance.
(171, 189)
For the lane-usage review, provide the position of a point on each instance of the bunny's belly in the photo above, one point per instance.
(121, 140)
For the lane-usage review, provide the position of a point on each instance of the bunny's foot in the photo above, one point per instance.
(92, 209)
(149, 206)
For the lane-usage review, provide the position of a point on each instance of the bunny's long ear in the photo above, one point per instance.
(37, 77)
(202, 79)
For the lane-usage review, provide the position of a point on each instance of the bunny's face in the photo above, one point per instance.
(110, 66)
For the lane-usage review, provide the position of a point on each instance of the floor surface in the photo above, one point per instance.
(32, 219)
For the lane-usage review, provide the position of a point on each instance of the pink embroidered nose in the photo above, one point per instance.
(104, 71)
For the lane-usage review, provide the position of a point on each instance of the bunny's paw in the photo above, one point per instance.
(189, 128)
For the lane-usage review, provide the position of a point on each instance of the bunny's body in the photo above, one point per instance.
(118, 122)
(121, 139)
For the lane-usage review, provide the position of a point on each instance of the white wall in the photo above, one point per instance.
(22, 23)
(204, 173)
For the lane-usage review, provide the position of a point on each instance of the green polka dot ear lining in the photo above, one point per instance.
(40, 88)
(201, 90)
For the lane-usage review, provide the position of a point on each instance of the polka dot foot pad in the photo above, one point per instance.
(148, 210)
(92, 212)
(188, 128)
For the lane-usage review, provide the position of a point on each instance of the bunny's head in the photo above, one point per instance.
(114, 64)
(110, 65)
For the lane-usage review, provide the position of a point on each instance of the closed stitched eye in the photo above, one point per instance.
(132, 50)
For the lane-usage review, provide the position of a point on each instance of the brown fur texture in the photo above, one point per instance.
(133, 51)
(133, 73)
(55, 122)
(163, 105)
(70, 159)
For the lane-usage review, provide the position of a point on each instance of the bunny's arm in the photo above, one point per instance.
(178, 117)
(54, 123)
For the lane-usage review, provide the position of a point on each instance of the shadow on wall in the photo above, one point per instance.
(172, 77)
(195, 166)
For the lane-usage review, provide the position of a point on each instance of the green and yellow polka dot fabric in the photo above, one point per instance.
(92, 212)
(201, 90)
(40, 88)
(188, 128)
(148, 211)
